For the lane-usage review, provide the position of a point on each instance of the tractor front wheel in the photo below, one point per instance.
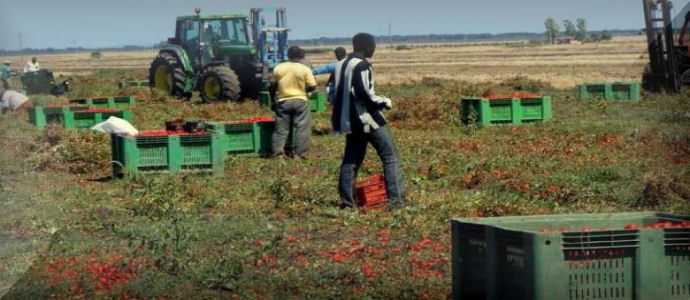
(219, 83)
(167, 75)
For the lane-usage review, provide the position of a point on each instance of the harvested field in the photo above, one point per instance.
(271, 228)
(563, 66)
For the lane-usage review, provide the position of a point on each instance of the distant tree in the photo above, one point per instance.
(581, 34)
(595, 37)
(606, 36)
(552, 29)
(96, 55)
(569, 28)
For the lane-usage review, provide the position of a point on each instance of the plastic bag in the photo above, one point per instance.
(116, 126)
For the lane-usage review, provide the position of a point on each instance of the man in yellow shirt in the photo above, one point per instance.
(294, 82)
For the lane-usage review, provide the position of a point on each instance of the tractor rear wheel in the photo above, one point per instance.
(685, 78)
(219, 83)
(167, 75)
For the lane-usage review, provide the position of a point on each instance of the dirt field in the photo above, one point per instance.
(563, 66)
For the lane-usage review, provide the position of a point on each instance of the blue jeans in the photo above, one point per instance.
(356, 150)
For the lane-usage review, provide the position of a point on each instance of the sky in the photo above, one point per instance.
(103, 23)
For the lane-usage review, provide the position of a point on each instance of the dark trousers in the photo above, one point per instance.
(355, 151)
(296, 114)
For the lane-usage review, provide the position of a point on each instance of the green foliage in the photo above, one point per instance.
(569, 28)
(552, 29)
(581, 34)
(606, 36)
(403, 47)
(601, 37)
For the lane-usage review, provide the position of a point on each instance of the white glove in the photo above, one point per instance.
(388, 103)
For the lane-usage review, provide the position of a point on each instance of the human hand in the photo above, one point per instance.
(388, 103)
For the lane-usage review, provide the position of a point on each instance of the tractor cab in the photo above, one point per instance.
(209, 39)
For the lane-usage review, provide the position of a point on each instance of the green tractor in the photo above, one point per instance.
(224, 57)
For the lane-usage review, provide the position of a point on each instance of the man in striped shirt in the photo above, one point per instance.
(357, 113)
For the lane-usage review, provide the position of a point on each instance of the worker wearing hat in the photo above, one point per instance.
(5, 74)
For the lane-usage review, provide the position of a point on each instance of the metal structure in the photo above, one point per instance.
(223, 57)
(669, 66)
(43, 82)
(271, 36)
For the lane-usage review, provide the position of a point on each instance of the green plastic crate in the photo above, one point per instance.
(623, 91)
(317, 101)
(167, 153)
(40, 116)
(133, 83)
(485, 112)
(249, 137)
(110, 102)
(72, 117)
(265, 99)
(595, 256)
(245, 137)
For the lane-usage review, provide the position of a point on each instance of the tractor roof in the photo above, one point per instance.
(213, 17)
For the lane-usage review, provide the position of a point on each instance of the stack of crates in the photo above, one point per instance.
(167, 151)
(371, 192)
(73, 117)
(123, 102)
(516, 109)
(642, 256)
(621, 91)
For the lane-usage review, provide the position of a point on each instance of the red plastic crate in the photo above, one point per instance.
(255, 120)
(519, 95)
(100, 110)
(371, 192)
(160, 133)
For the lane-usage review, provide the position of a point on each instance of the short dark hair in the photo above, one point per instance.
(340, 53)
(364, 43)
(295, 53)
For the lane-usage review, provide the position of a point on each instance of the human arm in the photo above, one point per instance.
(324, 69)
(363, 85)
(310, 83)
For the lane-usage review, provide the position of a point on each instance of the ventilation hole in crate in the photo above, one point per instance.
(680, 274)
(602, 279)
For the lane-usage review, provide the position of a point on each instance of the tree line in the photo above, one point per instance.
(576, 30)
